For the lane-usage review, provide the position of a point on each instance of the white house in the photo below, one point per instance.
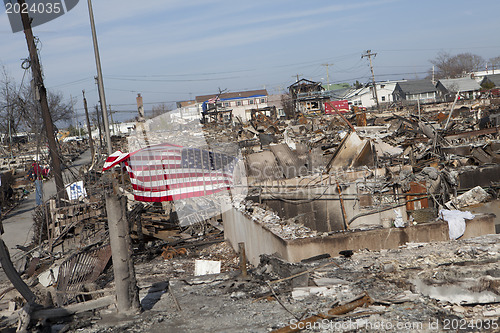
(240, 103)
(365, 96)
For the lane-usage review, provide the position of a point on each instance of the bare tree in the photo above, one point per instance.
(20, 111)
(288, 108)
(448, 66)
(9, 103)
(495, 62)
(160, 109)
(60, 110)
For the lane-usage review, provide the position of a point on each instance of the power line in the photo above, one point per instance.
(171, 80)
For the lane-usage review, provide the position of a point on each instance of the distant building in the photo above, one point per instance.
(467, 87)
(277, 102)
(183, 104)
(492, 78)
(308, 97)
(365, 96)
(479, 76)
(414, 91)
(336, 86)
(234, 104)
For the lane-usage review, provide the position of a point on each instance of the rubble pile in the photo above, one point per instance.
(306, 181)
(415, 288)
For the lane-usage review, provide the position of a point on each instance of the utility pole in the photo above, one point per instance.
(297, 76)
(74, 113)
(41, 95)
(127, 293)
(98, 116)
(89, 129)
(369, 54)
(111, 118)
(99, 79)
(327, 74)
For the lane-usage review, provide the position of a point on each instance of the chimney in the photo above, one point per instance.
(140, 107)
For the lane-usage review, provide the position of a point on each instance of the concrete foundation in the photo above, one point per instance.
(260, 240)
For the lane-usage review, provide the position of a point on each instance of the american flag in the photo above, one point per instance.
(167, 172)
(213, 100)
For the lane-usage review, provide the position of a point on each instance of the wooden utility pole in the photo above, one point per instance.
(327, 74)
(127, 295)
(40, 93)
(89, 128)
(98, 116)
(100, 83)
(111, 118)
(369, 54)
(13, 275)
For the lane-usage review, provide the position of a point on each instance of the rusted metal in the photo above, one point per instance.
(341, 116)
(417, 187)
(344, 214)
(339, 310)
(243, 259)
(469, 134)
(170, 252)
(79, 269)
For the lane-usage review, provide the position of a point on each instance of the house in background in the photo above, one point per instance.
(225, 106)
(336, 86)
(479, 76)
(414, 91)
(365, 96)
(466, 86)
(492, 79)
(308, 97)
(277, 102)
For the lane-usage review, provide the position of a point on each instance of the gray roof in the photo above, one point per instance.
(495, 78)
(416, 86)
(460, 84)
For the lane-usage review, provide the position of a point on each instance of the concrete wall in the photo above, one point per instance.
(259, 240)
(321, 208)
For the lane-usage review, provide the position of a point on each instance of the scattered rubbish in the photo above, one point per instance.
(469, 198)
(398, 221)
(206, 267)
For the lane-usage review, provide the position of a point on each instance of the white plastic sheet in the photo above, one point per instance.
(456, 221)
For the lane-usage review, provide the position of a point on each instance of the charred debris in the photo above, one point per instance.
(310, 178)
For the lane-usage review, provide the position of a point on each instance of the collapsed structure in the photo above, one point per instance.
(318, 184)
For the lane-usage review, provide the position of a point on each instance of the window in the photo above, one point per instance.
(250, 102)
(262, 100)
(382, 86)
(226, 104)
(238, 103)
(383, 98)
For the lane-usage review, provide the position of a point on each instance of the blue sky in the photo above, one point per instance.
(175, 50)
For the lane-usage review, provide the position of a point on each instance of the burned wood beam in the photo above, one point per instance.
(339, 310)
(73, 308)
(13, 275)
(469, 134)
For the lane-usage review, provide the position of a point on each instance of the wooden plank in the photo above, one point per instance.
(81, 217)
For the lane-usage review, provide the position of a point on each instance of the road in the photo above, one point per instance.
(18, 224)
